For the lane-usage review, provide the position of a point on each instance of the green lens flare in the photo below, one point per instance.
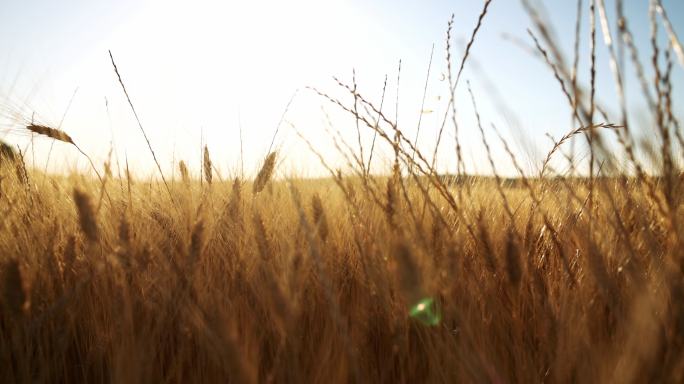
(426, 312)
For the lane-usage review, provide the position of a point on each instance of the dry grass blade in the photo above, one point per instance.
(358, 130)
(573, 78)
(570, 135)
(377, 120)
(470, 43)
(502, 194)
(454, 84)
(282, 118)
(73, 95)
(392, 197)
(573, 100)
(422, 103)
(147, 140)
(674, 40)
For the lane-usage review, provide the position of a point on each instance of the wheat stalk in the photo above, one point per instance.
(207, 166)
(62, 136)
(86, 215)
(319, 216)
(265, 173)
(185, 174)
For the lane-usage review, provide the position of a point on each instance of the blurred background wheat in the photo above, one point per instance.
(411, 275)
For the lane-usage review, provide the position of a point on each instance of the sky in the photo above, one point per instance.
(221, 73)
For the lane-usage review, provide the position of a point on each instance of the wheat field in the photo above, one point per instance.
(405, 277)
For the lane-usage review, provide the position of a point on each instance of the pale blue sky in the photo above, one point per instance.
(191, 66)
